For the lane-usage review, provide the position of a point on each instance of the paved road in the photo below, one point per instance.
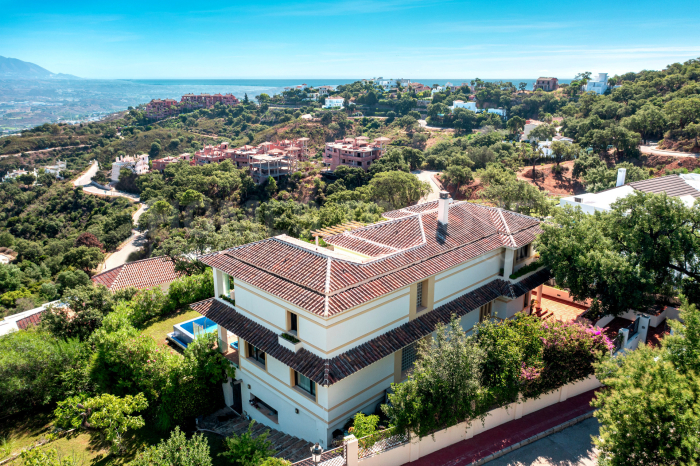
(427, 175)
(86, 177)
(134, 243)
(424, 124)
(652, 150)
(570, 447)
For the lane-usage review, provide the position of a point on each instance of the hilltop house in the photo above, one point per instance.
(334, 102)
(17, 173)
(354, 152)
(599, 84)
(546, 84)
(323, 331)
(137, 164)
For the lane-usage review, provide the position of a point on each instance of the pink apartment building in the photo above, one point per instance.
(297, 149)
(157, 108)
(160, 164)
(354, 152)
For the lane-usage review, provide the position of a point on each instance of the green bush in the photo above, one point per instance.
(176, 451)
(35, 369)
(49, 457)
(244, 450)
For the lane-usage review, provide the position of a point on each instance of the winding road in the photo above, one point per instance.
(427, 175)
(136, 240)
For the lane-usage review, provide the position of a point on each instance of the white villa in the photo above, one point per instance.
(598, 85)
(466, 105)
(137, 164)
(334, 102)
(323, 331)
(17, 173)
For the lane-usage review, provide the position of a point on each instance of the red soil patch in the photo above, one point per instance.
(661, 163)
(560, 184)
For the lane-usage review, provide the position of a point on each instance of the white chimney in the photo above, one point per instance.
(621, 172)
(444, 207)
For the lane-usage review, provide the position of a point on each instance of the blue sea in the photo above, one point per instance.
(174, 88)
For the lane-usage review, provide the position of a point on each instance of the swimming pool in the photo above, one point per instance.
(185, 332)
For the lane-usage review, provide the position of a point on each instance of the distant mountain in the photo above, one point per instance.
(12, 68)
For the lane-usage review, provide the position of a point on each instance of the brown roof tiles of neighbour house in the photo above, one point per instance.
(140, 274)
(672, 185)
(33, 319)
(401, 251)
(329, 371)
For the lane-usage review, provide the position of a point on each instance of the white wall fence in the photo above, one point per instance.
(397, 450)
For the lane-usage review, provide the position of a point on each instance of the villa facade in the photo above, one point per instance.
(354, 152)
(322, 332)
(137, 164)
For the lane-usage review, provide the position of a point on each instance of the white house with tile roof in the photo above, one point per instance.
(358, 307)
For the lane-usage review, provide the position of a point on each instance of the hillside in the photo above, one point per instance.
(13, 68)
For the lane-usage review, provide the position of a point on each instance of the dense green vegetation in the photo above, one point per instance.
(59, 235)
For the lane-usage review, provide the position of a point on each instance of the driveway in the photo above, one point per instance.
(424, 124)
(132, 244)
(427, 175)
(652, 150)
(570, 447)
(86, 178)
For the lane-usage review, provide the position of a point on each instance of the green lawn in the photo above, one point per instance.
(160, 327)
(25, 430)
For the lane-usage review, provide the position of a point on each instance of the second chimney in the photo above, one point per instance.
(621, 173)
(444, 207)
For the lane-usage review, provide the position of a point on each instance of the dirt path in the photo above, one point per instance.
(652, 150)
(41, 150)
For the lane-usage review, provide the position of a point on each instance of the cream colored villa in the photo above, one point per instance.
(357, 308)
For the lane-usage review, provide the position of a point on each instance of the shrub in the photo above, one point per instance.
(50, 457)
(176, 451)
(364, 425)
(275, 462)
(244, 450)
(31, 367)
(108, 414)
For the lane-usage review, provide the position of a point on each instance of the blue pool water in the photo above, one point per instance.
(184, 331)
(209, 326)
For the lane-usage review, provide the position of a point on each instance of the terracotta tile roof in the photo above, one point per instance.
(401, 251)
(329, 371)
(33, 319)
(140, 274)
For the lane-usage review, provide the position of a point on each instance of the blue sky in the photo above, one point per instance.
(342, 39)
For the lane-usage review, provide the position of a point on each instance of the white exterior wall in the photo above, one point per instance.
(307, 424)
(327, 337)
(460, 279)
(466, 105)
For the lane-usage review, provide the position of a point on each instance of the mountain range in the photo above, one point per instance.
(12, 68)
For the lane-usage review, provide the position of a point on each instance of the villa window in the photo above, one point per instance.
(523, 253)
(485, 311)
(304, 383)
(256, 354)
(292, 322)
(408, 357)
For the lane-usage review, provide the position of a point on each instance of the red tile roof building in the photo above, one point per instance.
(159, 109)
(145, 273)
(547, 84)
(359, 306)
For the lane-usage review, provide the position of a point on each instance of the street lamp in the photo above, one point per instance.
(316, 452)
